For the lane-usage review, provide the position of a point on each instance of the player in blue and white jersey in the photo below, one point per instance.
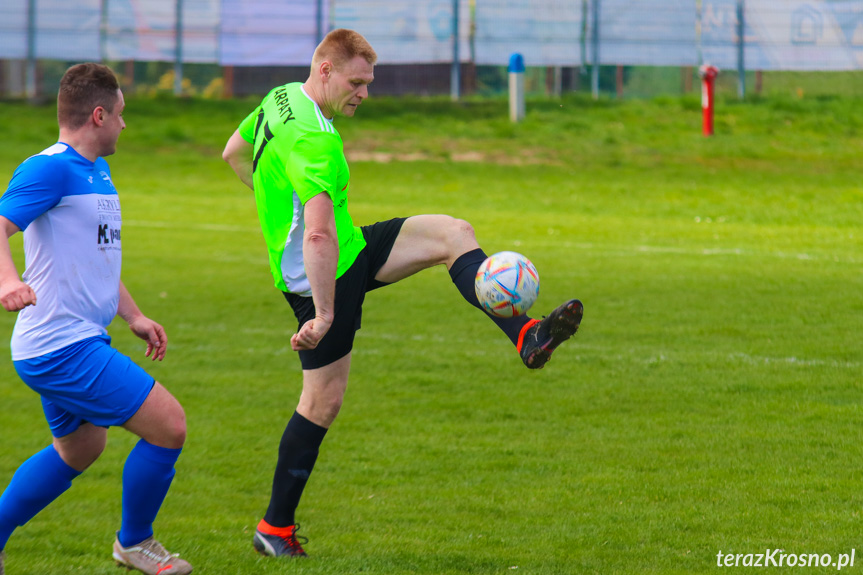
(66, 204)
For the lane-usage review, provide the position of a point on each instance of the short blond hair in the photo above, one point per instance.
(341, 46)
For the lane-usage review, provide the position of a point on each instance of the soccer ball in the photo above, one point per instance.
(507, 284)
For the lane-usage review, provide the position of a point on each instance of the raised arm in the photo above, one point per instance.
(15, 295)
(238, 154)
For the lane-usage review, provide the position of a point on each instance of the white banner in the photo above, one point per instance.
(261, 33)
(646, 33)
(135, 30)
(791, 35)
(67, 30)
(407, 31)
(146, 30)
(544, 32)
(779, 35)
(13, 29)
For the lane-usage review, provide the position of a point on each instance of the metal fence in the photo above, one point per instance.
(225, 47)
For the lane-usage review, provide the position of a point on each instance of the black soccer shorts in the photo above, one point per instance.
(351, 291)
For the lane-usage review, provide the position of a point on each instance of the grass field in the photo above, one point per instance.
(712, 400)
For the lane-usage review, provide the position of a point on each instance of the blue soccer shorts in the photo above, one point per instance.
(87, 381)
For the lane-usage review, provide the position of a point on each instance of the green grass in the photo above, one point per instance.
(711, 401)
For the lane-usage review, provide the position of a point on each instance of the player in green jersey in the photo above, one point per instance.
(289, 153)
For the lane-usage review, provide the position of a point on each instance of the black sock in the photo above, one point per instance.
(463, 274)
(298, 452)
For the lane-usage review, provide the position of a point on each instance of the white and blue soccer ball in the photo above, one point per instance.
(507, 284)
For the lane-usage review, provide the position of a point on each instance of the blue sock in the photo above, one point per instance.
(39, 481)
(147, 476)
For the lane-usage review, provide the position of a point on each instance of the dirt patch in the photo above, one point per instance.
(357, 153)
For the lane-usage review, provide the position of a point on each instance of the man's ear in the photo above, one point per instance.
(98, 115)
(326, 69)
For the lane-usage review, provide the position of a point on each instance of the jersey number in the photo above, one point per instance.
(268, 135)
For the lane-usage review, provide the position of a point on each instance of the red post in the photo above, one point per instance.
(708, 79)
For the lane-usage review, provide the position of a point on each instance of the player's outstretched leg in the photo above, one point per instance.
(539, 338)
(279, 542)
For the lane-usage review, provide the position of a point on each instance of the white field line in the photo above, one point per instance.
(193, 226)
(793, 361)
(500, 346)
(604, 249)
(634, 250)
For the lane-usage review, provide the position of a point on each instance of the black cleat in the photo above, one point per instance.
(542, 337)
(280, 545)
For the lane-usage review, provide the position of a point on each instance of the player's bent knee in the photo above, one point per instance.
(174, 433)
(465, 228)
(326, 411)
(334, 407)
(458, 238)
(81, 448)
(320, 411)
(459, 232)
(450, 227)
(160, 420)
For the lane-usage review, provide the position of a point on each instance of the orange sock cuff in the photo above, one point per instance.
(265, 527)
(523, 331)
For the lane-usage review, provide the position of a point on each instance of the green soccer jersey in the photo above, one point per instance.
(297, 155)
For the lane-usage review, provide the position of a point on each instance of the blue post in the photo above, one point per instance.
(319, 22)
(516, 88)
(594, 79)
(103, 31)
(741, 51)
(178, 49)
(455, 69)
(30, 74)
